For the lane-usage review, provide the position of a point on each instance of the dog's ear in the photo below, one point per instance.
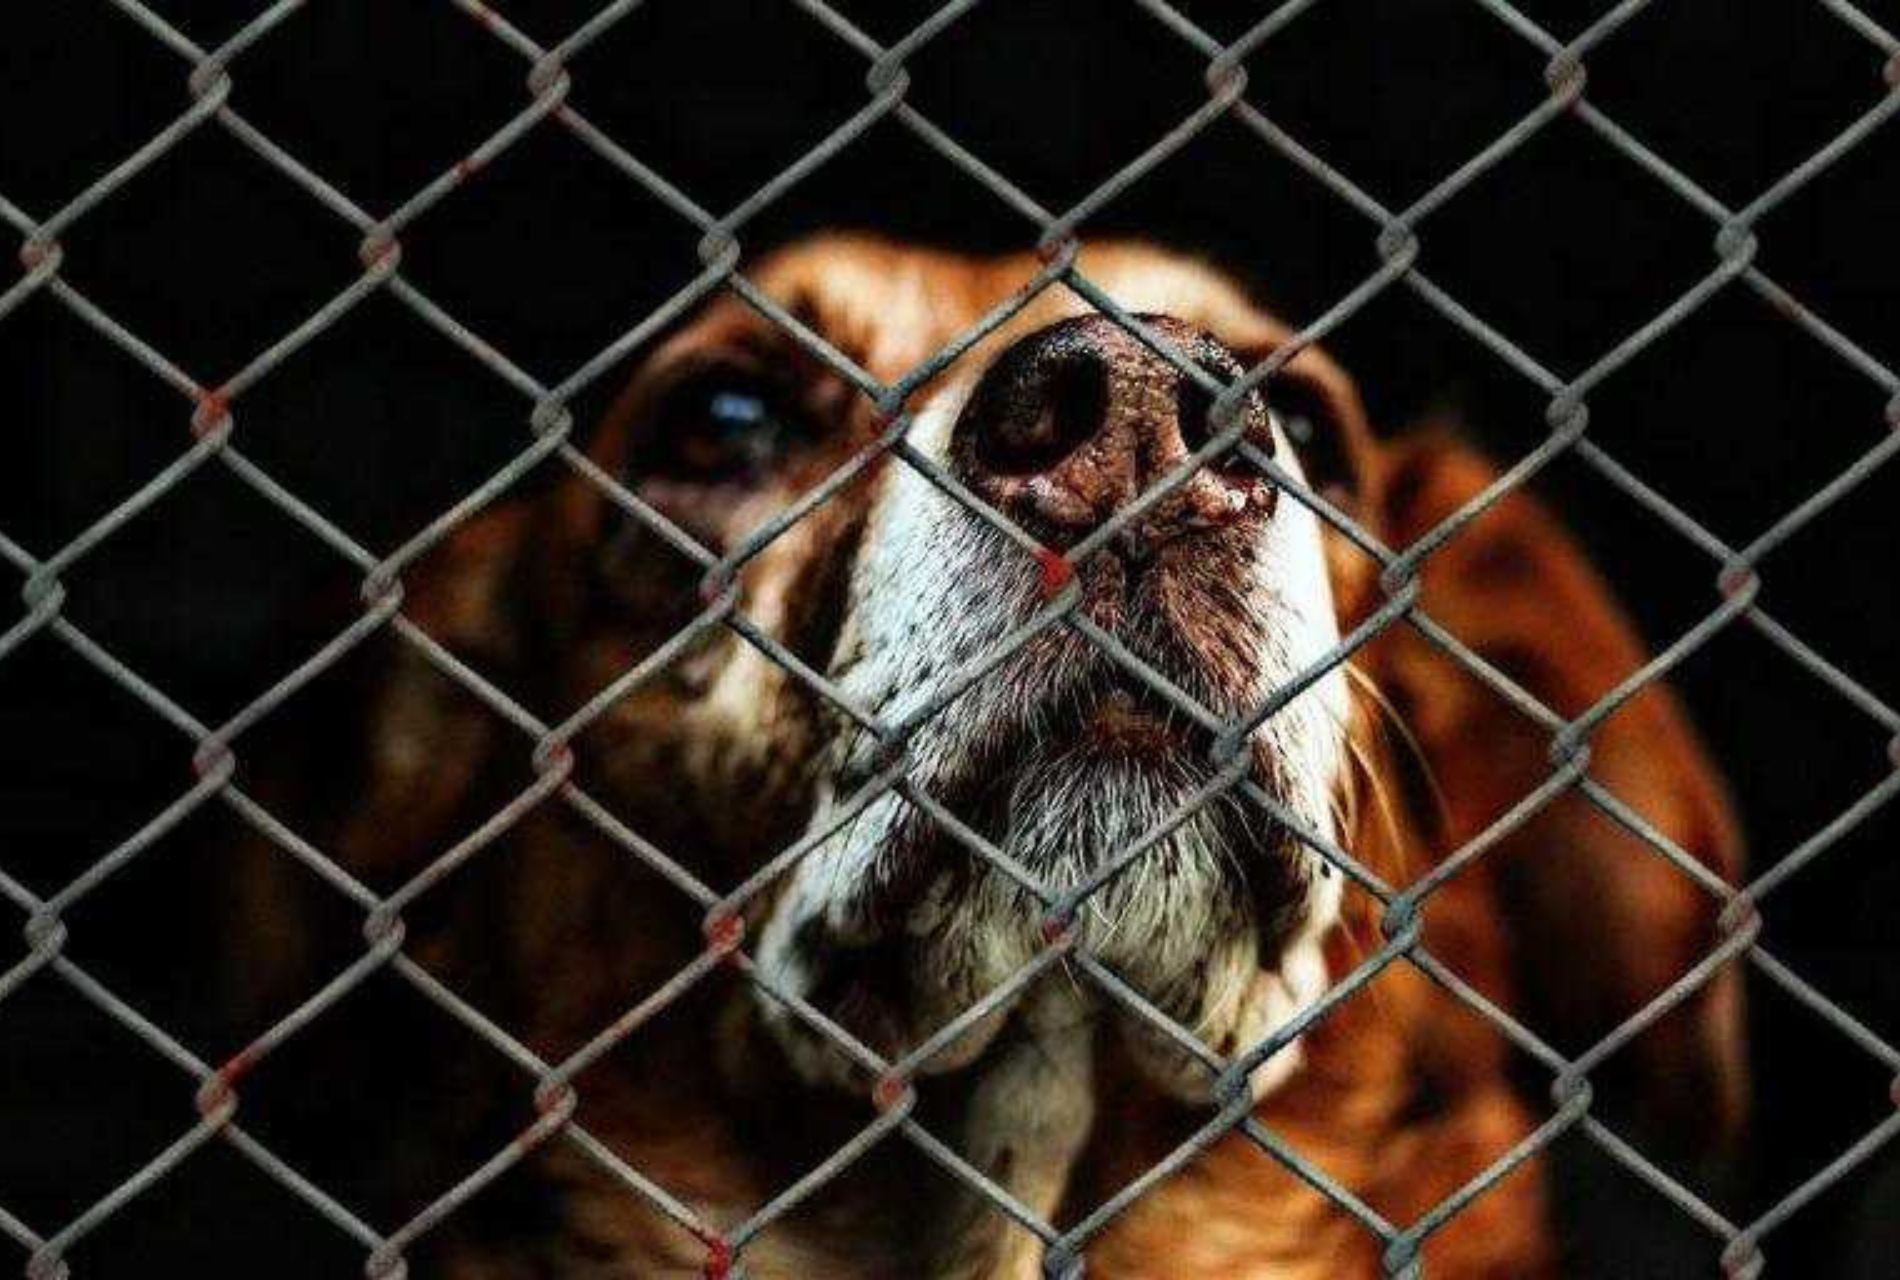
(425, 740)
(1595, 923)
(415, 745)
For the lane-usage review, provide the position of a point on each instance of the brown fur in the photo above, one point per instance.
(1404, 1096)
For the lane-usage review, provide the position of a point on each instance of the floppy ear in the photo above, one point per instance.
(414, 744)
(1595, 922)
(424, 739)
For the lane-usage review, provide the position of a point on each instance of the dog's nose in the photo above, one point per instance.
(1075, 421)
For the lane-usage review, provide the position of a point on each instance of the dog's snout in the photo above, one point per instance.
(1075, 421)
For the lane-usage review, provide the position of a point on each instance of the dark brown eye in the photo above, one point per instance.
(722, 426)
(1319, 441)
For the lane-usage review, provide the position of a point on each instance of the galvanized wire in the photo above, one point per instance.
(209, 409)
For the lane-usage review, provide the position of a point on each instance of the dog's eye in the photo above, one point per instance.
(722, 426)
(1306, 417)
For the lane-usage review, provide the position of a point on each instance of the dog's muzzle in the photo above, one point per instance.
(1085, 770)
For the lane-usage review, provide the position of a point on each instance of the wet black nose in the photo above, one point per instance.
(1075, 421)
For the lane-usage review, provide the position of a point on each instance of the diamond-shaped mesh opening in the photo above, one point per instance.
(1772, 54)
(447, 764)
(751, 114)
(685, 1038)
(136, 90)
(120, 933)
(1218, 185)
(64, 1154)
(1677, 589)
(1815, 251)
(210, 253)
(1860, 1099)
(219, 1205)
(1070, 138)
(550, 282)
(67, 386)
(1851, 530)
(401, 1155)
(1659, 247)
(138, 591)
(1588, 1186)
(1167, 1211)
(1423, 373)
(531, 986)
(421, 406)
(435, 87)
(317, 931)
(67, 722)
(1289, 1144)
(1851, 875)
(1843, 756)
(1818, 416)
(1348, 79)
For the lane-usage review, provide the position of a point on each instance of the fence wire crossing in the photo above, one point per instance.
(214, 440)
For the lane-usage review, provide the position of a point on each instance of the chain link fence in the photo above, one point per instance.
(212, 436)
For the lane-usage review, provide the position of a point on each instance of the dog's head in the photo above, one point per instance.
(821, 629)
(914, 595)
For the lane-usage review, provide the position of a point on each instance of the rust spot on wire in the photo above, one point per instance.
(724, 931)
(1738, 581)
(554, 757)
(213, 756)
(892, 1093)
(217, 1096)
(1056, 248)
(212, 416)
(36, 253)
(380, 250)
(1053, 572)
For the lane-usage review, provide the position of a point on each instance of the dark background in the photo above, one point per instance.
(1565, 246)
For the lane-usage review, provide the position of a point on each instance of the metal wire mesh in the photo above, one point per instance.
(216, 441)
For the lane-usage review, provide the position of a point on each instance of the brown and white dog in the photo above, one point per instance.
(896, 594)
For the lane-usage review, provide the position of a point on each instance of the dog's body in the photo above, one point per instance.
(891, 592)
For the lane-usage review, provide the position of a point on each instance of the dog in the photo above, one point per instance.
(923, 795)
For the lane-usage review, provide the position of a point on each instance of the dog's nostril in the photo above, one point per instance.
(1194, 407)
(1050, 414)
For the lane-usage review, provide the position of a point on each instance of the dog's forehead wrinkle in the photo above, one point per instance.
(888, 313)
(892, 307)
